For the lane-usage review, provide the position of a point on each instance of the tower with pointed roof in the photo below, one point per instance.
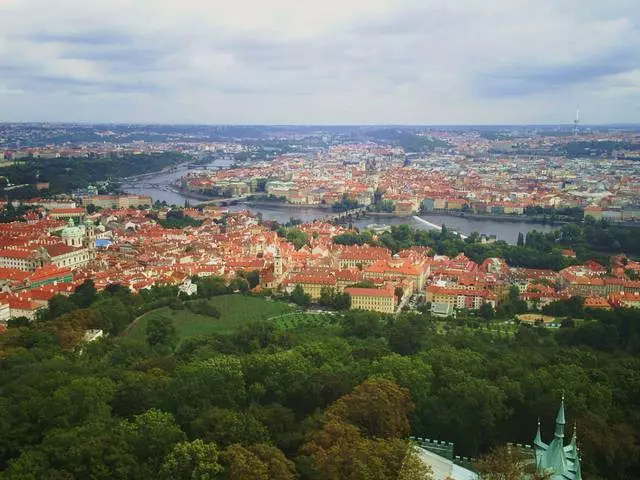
(277, 265)
(560, 460)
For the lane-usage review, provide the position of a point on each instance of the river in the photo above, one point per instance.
(158, 186)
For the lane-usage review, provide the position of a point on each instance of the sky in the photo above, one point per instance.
(429, 62)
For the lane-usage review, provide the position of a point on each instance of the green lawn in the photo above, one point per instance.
(235, 311)
(307, 319)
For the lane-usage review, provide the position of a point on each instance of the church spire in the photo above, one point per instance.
(538, 440)
(560, 420)
(574, 439)
(578, 467)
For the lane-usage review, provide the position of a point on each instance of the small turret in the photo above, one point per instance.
(538, 440)
(560, 421)
(574, 441)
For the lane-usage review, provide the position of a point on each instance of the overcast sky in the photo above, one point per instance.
(327, 62)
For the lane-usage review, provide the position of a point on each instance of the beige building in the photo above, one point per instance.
(59, 254)
(376, 299)
(119, 201)
(459, 298)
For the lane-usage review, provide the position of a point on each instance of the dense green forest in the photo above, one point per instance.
(410, 141)
(331, 401)
(596, 148)
(66, 174)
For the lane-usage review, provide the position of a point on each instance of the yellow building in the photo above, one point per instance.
(313, 284)
(376, 299)
(439, 204)
(459, 298)
(513, 209)
(119, 201)
(455, 204)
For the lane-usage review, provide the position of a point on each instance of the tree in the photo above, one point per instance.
(326, 296)
(329, 298)
(239, 284)
(212, 286)
(242, 464)
(362, 324)
(70, 327)
(197, 385)
(93, 450)
(61, 304)
(299, 297)
(342, 301)
(18, 322)
(407, 333)
(399, 293)
(194, 460)
(339, 452)
(486, 311)
(520, 242)
(84, 399)
(258, 462)
(253, 277)
(85, 294)
(138, 391)
(161, 332)
(379, 407)
(116, 313)
(151, 435)
(506, 463)
(297, 237)
(226, 427)
(413, 468)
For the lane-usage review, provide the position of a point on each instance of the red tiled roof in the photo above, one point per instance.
(59, 249)
(314, 279)
(15, 253)
(69, 211)
(49, 271)
(370, 292)
(13, 274)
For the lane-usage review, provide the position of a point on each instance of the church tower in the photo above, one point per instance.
(560, 460)
(90, 235)
(277, 265)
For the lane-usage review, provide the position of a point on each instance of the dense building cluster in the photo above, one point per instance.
(498, 184)
(57, 248)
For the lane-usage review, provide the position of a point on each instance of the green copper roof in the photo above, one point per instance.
(559, 460)
(560, 417)
(538, 440)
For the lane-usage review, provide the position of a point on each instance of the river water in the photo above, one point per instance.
(158, 186)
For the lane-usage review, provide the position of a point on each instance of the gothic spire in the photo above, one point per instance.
(560, 420)
(538, 440)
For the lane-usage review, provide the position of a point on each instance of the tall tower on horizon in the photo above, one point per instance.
(576, 123)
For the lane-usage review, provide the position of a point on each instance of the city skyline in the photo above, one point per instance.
(348, 63)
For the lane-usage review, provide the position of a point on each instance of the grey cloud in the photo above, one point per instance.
(37, 82)
(121, 58)
(532, 79)
(455, 57)
(83, 38)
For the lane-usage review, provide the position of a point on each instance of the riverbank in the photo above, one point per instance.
(266, 203)
(165, 170)
(499, 218)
